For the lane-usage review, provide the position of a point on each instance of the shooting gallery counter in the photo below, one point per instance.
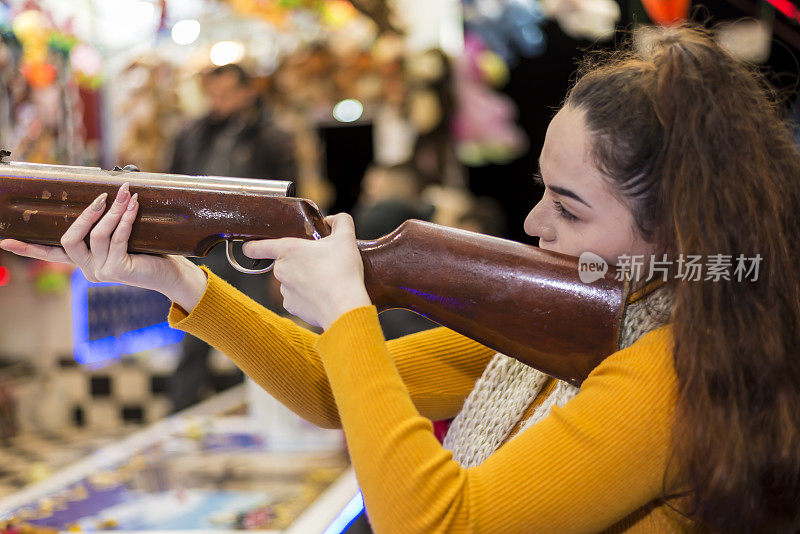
(205, 469)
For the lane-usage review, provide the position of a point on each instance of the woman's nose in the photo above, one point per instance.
(536, 225)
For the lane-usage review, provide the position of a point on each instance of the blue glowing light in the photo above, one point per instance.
(92, 351)
(347, 516)
(447, 302)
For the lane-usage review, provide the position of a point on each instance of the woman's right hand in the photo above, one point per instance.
(106, 259)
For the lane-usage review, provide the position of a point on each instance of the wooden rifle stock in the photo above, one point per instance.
(515, 298)
(518, 299)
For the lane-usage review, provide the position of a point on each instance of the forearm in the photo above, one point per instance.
(276, 353)
(189, 284)
(383, 428)
(438, 366)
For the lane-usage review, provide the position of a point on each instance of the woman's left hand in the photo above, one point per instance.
(320, 280)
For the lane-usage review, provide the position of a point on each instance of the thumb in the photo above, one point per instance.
(265, 248)
(341, 223)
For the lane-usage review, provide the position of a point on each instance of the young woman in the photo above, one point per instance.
(670, 147)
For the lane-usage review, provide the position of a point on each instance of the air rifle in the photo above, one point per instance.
(517, 299)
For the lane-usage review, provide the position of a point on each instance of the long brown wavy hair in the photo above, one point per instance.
(697, 145)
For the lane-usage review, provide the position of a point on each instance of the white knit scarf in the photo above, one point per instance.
(507, 387)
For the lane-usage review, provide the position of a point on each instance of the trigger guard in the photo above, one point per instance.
(235, 264)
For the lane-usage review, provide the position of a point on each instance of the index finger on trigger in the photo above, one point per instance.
(265, 249)
(341, 223)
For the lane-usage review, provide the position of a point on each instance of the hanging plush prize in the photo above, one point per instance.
(666, 12)
(31, 29)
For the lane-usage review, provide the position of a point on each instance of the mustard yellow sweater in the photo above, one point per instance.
(596, 464)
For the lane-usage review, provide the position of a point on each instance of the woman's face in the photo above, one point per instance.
(578, 213)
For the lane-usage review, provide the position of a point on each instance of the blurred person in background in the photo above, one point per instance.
(485, 216)
(238, 138)
(389, 197)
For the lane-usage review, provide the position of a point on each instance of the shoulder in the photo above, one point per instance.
(616, 430)
(651, 353)
(645, 370)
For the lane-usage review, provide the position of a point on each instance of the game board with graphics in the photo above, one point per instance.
(195, 471)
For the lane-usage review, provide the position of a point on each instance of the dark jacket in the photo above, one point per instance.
(245, 145)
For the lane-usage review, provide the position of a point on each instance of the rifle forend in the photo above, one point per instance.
(518, 299)
(178, 214)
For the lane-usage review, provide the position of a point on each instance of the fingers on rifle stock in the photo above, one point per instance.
(73, 238)
(119, 241)
(100, 236)
(74, 249)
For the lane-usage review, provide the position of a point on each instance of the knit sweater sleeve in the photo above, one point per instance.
(438, 367)
(581, 469)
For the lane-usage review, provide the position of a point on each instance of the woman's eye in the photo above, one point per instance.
(563, 211)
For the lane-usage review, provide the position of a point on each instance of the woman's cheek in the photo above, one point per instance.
(574, 241)
(566, 241)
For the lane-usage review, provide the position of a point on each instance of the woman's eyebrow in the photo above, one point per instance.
(562, 190)
(567, 193)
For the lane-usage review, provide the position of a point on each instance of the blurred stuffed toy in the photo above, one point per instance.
(483, 124)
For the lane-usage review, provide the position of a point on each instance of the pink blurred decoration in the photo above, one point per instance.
(483, 124)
